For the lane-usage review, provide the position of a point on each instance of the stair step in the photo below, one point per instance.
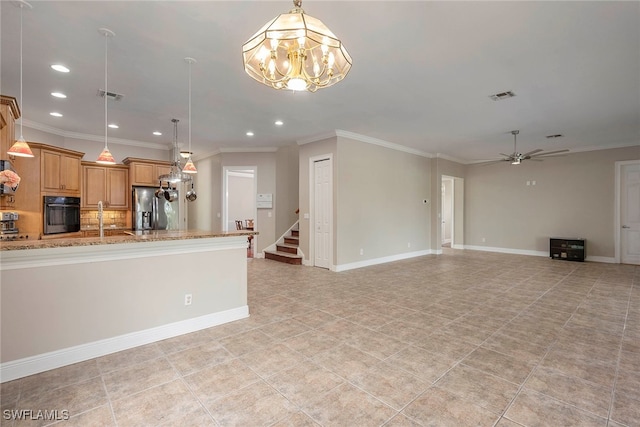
(292, 240)
(283, 257)
(295, 233)
(284, 247)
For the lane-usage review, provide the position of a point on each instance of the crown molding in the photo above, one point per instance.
(97, 138)
(451, 158)
(363, 138)
(248, 149)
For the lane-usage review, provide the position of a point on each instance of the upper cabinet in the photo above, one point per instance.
(145, 172)
(61, 172)
(9, 113)
(108, 184)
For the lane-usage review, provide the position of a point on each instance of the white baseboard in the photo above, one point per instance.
(457, 246)
(506, 250)
(55, 359)
(382, 260)
(608, 260)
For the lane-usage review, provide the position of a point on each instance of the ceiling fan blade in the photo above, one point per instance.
(532, 152)
(510, 156)
(550, 152)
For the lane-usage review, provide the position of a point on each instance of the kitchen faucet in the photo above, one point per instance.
(100, 219)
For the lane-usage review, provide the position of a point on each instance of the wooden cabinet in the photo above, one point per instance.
(61, 172)
(145, 172)
(9, 113)
(109, 184)
(570, 249)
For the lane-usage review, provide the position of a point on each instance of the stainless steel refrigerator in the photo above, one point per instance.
(152, 213)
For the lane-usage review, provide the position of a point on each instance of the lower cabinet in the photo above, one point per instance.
(109, 184)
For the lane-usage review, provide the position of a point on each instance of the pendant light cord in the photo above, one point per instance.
(21, 103)
(189, 110)
(106, 91)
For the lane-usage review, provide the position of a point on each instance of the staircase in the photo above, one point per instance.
(287, 251)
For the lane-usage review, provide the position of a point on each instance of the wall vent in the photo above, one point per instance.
(502, 95)
(110, 95)
(558, 135)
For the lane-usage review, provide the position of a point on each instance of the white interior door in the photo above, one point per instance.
(322, 213)
(630, 214)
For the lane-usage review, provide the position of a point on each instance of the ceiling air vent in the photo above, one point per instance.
(502, 95)
(110, 95)
(559, 135)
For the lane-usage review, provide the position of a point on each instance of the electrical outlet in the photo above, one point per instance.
(187, 299)
(484, 240)
(408, 244)
(361, 251)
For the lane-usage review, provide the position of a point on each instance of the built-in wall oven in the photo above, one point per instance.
(61, 214)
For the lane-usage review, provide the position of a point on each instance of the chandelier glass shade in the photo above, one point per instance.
(20, 148)
(296, 51)
(176, 173)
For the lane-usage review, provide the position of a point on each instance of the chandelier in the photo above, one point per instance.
(175, 174)
(297, 52)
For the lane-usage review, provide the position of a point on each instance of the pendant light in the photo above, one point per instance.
(189, 167)
(20, 148)
(105, 157)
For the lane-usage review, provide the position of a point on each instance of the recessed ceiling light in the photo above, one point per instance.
(58, 94)
(279, 123)
(60, 67)
(156, 133)
(249, 133)
(114, 126)
(54, 114)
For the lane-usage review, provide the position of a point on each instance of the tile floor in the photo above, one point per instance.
(462, 339)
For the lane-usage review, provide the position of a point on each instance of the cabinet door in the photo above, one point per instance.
(118, 188)
(95, 186)
(51, 171)
(161, 170)
(7, 130)
(143, 174)
(70, 173)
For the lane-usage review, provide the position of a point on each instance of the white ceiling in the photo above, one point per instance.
(422, 73)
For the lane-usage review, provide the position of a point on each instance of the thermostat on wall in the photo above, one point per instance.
(264, 201)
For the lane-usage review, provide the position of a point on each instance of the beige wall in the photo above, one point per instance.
(55, 307)
(92, 149)
(206, 212)
(573, 197)
(286, 198)
(377, 200)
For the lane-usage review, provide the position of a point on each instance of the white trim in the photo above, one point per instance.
(382, 260)
(365, 139)
(55, 359)
(450, 158)
(97, 138)
(506, 250)
(531, 253)
(230, 171)
(457, 246)
(248, 149)
(16, 259)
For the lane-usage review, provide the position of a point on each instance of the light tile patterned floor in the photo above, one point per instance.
(462, 339)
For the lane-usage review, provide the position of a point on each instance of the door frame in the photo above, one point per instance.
(452, 221)
(617, 231)
(312, 234)
(226, 171)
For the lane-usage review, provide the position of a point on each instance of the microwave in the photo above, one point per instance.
(61, 214)
(5, 188)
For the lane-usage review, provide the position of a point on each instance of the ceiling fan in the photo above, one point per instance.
(517, 158)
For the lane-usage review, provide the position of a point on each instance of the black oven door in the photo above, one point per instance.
(61, 214)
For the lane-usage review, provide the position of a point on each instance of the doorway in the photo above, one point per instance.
(446, 233)
(321, 210)
(627, 212)
(239, 200)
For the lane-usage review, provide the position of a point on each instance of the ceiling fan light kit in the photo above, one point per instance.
(516, 158)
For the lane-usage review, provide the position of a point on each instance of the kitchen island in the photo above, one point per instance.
(68, 300)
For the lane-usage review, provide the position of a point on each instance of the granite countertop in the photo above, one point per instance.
(131, 237)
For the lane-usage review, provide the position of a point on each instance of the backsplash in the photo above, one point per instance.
(89, 219)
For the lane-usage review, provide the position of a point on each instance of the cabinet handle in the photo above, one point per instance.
(626, 226)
